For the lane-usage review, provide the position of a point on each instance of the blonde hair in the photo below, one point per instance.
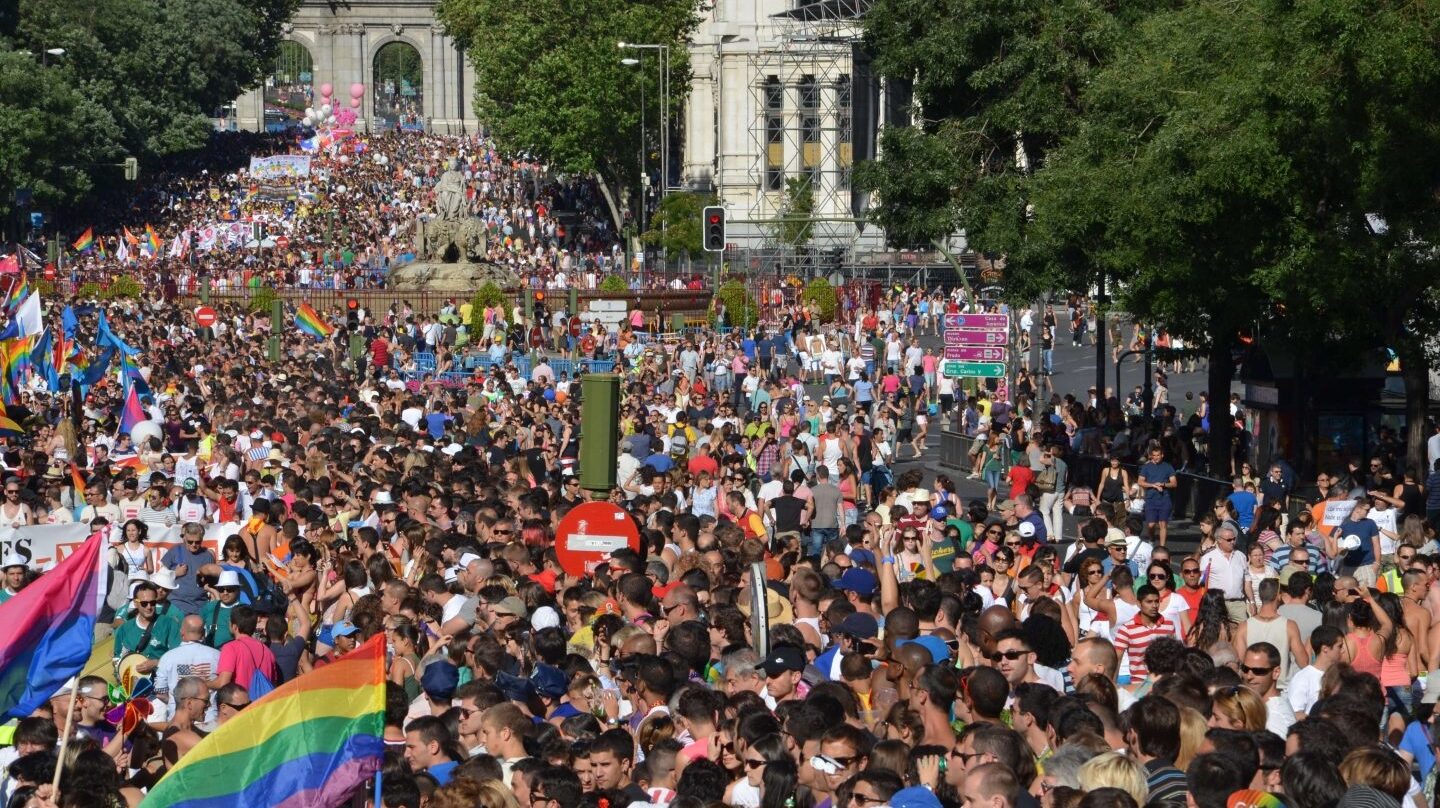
(1114, 770)
(1241, 706)
(466, 793)
(1192, 736)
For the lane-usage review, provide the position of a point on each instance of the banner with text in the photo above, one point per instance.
(280, 167)
(45, 545)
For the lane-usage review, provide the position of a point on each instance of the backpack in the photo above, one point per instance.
(1046, 479)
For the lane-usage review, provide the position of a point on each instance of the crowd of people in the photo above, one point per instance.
(1041, 643)
(349, 221)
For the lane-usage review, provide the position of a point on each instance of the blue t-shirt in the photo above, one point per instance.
(1360, 556)
(1244, 503)
(1157, 473)
(435, 424)
(188, 596)
(660, 462)
(864, 391)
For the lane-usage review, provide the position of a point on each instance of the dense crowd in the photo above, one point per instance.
(1038, 644)
(351, 219)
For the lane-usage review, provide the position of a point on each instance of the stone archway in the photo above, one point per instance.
(398, 87)
(290, 86)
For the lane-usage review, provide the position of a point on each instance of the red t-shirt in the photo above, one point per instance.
(700, 463)
(242, 656)
(1020, 479)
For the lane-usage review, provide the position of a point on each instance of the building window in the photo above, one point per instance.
(809, 128)
(844, 125)
(774, 134)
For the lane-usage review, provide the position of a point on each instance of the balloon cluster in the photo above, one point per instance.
(330, 113)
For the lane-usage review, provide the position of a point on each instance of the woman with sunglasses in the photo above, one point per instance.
(987, 542)
(745, 790)
(1173, 607)
(1002, 585)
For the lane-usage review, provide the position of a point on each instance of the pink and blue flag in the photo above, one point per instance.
(47, 631)
(131, 413)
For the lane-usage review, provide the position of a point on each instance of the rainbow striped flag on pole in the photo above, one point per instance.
(307, 319)
(307, 744)
(86, 240)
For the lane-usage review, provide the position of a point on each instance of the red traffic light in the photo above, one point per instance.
(539, 297)
(714, 218)
(352, 304)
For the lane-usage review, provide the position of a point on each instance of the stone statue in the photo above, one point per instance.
(450, 194)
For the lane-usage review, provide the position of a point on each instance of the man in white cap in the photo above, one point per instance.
(15, 567)
(215, 614)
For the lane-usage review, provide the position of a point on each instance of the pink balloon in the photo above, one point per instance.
(326, 90)
(355, 103)
(356, 90)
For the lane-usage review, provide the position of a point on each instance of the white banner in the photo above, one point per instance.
(280, 167)
(45, 545)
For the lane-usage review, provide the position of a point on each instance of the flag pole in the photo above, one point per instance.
(64, 744)
(379, 775)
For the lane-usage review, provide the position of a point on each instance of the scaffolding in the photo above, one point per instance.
(803, 127)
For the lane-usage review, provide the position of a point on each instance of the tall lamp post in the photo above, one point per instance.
(664, 107)
(644, 177)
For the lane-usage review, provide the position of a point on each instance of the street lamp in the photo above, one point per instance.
(664, 105)
(644, 180)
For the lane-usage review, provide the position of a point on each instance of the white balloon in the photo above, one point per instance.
(330, 120)
(309, 112)
(309, 121)
(144, 431)
(324, 110)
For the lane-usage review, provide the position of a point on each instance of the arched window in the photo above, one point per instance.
(399, 87)
(288, 89)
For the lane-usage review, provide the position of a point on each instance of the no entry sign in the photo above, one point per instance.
(205, 316)
(589, 533)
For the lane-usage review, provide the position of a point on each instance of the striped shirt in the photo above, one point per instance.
(1167, 784)
(1135, 636)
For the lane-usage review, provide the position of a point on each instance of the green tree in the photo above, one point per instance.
(676, 226)
(740, 308)
(614, 285)
(138, 77)
(795, 222)
(1224, 171)
(823, 300)
(1000, 85)
(489, 294)
(549, 79)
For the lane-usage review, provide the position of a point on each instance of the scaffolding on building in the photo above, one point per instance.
(803, 127)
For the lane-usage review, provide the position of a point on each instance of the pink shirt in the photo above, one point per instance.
(242, 656)
(930, 362)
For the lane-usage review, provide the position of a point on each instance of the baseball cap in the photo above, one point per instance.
(440, 680)
(939, 513)
(343, 628)
(939, 651)
(1009, 503)
(1115, 541)
(914, 797)
(511, 605)
(860, 625)
(190, 484)
(859, 556)
(1026, 530)
(858, 581)
(783, 658)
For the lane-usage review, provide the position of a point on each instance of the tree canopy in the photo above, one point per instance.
(137, 77)
(551, 83)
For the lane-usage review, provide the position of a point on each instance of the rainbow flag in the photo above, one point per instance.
(309, 743)
(100, 248)
(18, 292)
(8, 424)
(47, 631)
(86, 240)
(309, 320)
(77, 480)
(152, 239)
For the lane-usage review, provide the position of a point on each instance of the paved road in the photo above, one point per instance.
(1074, 373)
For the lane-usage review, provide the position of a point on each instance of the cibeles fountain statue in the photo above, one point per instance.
(450, 244)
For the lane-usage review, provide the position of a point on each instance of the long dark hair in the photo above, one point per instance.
(780, 784)
(1210, 618)
(1169, 575)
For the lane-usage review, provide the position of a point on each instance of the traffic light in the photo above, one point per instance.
(714, 224)
(352, 312)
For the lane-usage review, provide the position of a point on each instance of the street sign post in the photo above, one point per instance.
(589, 533)
(980, 369)
(974, 336)
(989, 322)
(972, 353)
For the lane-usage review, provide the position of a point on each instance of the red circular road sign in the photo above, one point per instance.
(575, 327)
(590, 532)
(205, 316)
(282, 242)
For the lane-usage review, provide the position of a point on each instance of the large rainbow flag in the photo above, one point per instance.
(307, 319)
(309, 743)
(86, 240)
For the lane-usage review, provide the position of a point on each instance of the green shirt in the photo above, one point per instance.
(164, 636)
(942, 554)
(221, 622)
